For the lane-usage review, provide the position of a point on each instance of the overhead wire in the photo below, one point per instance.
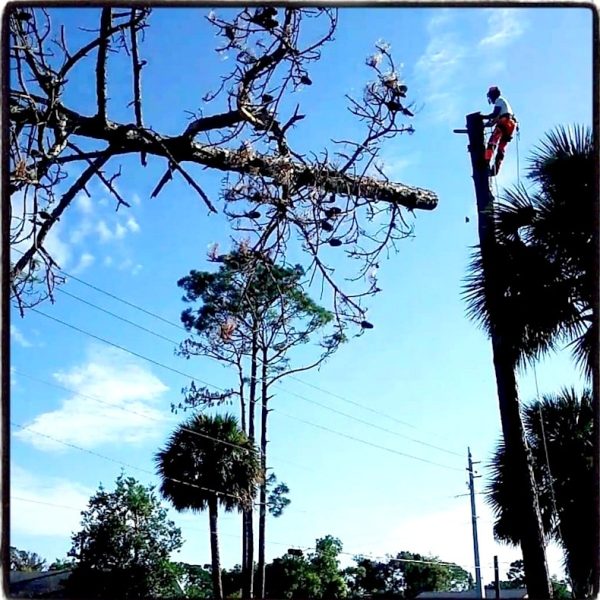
(125, 464)
(141, 414)
(134, 324)
(360, 440)
(370, 556)
(152, 361)
(181, 328)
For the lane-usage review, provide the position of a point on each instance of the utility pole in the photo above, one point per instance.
(496, 579)
(472, 478)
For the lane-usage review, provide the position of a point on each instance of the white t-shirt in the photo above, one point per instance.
(504, 106)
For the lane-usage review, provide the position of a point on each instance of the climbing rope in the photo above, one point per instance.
(550, 477)
(518, 164)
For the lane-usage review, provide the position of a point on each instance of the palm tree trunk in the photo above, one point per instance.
(213, 514)
(532, 537)
(262, 518)
(596, 445)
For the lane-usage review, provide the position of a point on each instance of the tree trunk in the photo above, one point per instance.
(213, 513)
(532, 535)
(245, 430)
(248, 591)
(262, 519)
(596, 446)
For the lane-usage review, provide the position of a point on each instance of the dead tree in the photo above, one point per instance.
(272, 194)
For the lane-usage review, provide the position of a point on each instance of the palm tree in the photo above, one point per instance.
(552, 230)
(489, 303)
(559, 432)
(198, 473)
(541, 260)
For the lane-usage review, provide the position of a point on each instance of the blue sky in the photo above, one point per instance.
(423, 364)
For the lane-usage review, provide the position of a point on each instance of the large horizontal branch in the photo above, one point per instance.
(128, 139)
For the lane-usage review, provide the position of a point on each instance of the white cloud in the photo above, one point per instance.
(17, 335)
(421, 533)
(108, 260)
(85, 260)
(439, 20)
(437, 69)
(504, 25)
(104, 232)
(120, 382)
(133, 225)
(58, 249)
(84, 204)
(120, 231)
(129, 265)
(32, 497)
(441, 59)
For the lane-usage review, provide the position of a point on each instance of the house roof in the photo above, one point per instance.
(38, 583)
(490, 594)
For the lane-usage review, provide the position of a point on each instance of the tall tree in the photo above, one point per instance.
(251, 314)
(124, 545)
(207, 462)
(559, 432)
(542, 257)
(275, 188)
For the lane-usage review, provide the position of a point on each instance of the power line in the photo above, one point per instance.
(349, 416)
(128, 410)
(286, 544)
(116, 316)
(360, 440)
(180, 327)
(120, 462)
(436, 447)
(221, 389)
(105, 341)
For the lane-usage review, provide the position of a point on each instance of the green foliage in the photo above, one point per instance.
(233, 582)
(326, 564)
(195, 580)
(277, 496)
(560, 589)
(545, 258)
(516, 574)
(21, 560)
(319, 576)
(568, 472)
(61, 564)
(228, 471)
(405, 576)
(123, 548)
(249, 304)
(291, 577)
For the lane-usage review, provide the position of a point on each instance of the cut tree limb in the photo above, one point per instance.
(129, 139)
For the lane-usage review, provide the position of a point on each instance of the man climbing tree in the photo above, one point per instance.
(504, 122)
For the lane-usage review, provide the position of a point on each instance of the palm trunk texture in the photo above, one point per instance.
(213, 513)
(532, 535)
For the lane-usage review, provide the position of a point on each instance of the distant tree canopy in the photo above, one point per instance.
(405, 576)
(123, 548)
(22, 560)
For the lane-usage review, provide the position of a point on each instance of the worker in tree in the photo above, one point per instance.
(504, 122)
